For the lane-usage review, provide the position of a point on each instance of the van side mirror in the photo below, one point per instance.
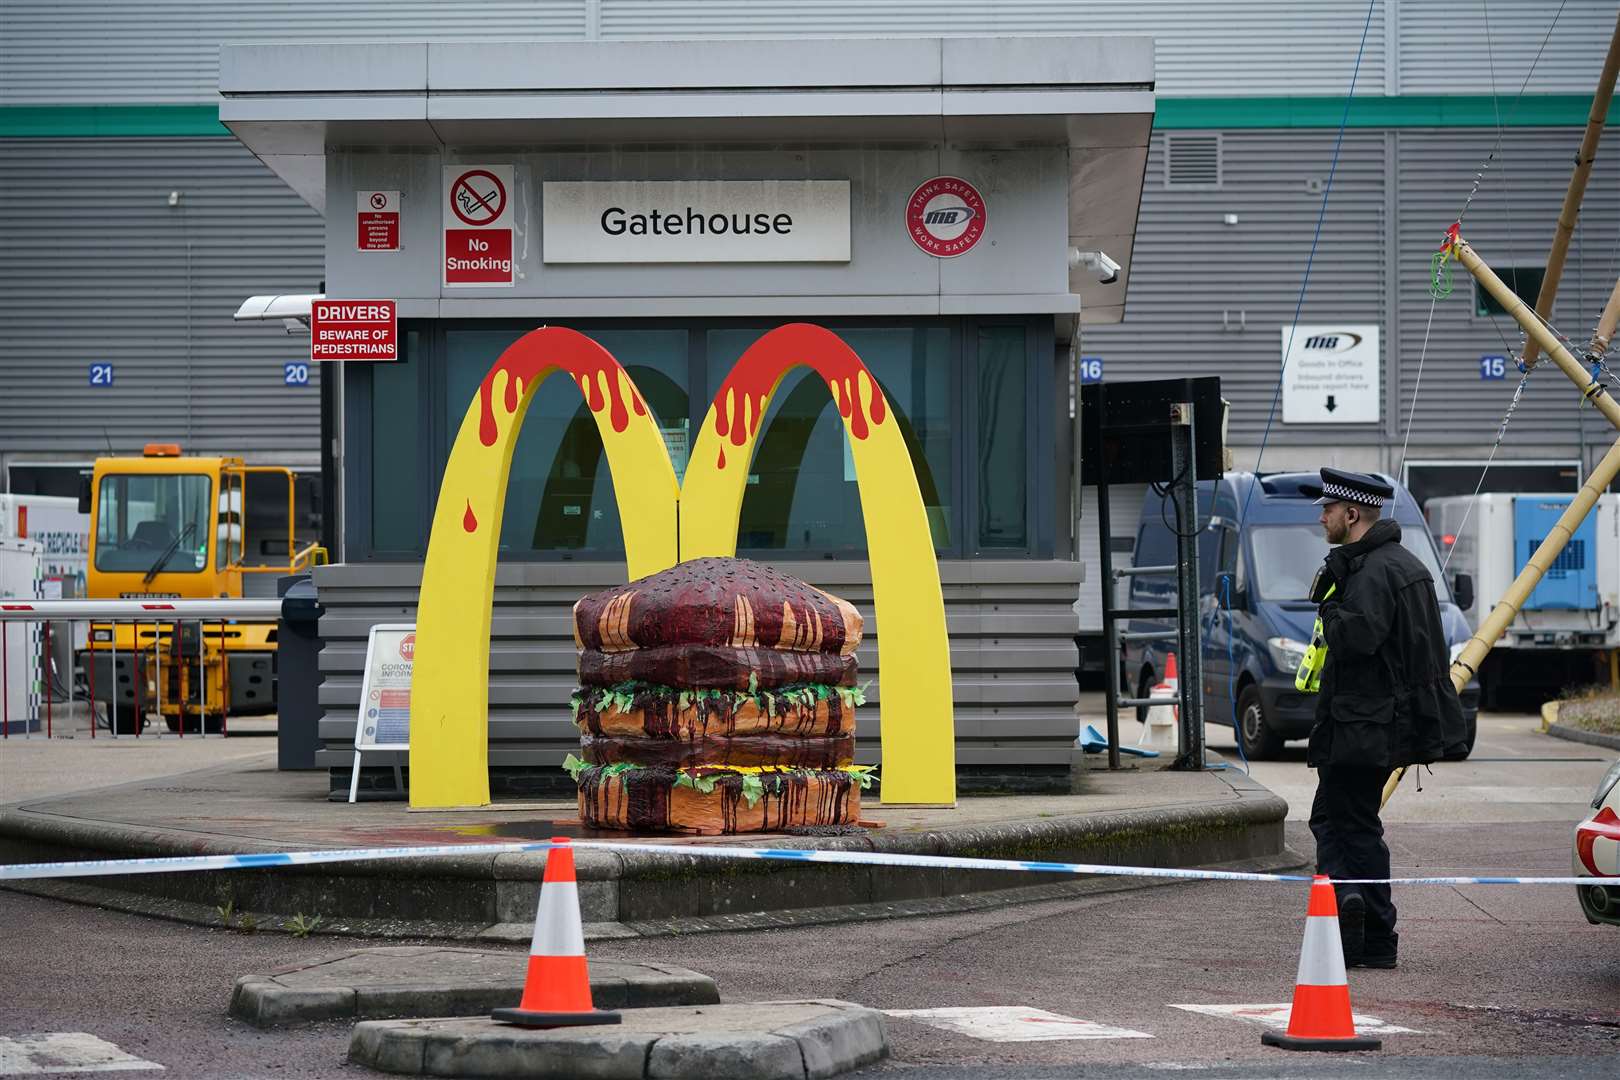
(84, 493)
(1462, 589)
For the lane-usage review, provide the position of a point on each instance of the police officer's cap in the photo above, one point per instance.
(1340, 486)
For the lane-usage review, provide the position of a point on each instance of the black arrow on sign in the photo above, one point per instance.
(1330, 405)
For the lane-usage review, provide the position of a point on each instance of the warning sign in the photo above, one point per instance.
(376, 220)
(353, 330)
(478, 225)
(385, 692)
(1331, 374)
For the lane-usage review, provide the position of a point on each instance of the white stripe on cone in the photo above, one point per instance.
(1321, 958)
(557, 930)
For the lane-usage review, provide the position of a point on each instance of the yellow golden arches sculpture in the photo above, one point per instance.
(450, 693)
(449, 752)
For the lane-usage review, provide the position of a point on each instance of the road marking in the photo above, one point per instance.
(1276, 1016)
(1012, 1023)
(64, 1051)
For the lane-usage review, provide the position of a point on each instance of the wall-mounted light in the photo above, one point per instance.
(1230, 219)
(174, 198)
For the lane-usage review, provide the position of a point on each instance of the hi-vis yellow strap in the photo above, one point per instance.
(1308, 678)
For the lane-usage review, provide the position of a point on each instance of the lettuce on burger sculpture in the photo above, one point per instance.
(717, 697)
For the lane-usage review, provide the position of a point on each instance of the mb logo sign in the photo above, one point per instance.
(666, 522)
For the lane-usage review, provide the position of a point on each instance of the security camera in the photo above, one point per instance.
(1098, 262)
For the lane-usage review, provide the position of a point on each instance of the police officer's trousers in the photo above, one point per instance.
(1350, 844)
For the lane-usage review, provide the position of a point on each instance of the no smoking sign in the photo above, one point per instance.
(478, 226)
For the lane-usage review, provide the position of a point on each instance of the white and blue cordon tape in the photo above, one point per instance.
(192, 863)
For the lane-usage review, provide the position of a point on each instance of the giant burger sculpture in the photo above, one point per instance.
(717, 696)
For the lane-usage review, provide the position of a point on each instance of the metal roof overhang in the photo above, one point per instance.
(290, 103)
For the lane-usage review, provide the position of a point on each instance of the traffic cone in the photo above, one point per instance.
(1320, 1018)
(1159, 727)
(557, 990)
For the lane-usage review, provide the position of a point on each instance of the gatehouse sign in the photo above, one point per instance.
(695, 221)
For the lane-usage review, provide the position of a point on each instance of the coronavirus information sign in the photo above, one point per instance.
(478, 226)
(353, 330)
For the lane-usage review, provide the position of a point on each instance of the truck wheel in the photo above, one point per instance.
(1254, 734)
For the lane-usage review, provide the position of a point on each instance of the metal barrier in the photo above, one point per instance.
(138, 681)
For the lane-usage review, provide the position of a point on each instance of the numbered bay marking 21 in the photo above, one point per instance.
(101, 374)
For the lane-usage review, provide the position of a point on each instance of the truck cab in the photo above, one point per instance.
(168, 526)
(1254, 615)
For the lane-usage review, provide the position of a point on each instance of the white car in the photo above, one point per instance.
(1597, 850)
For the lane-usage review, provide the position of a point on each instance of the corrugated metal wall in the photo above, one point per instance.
(1206, 293)
(98, 267)
(1011, 626)
(104, 51)
(1207, 297)
(1510, 223)
(116, 51)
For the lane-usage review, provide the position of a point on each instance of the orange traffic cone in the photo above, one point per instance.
(557, 991)
(1320, 1018)
(1170, 675)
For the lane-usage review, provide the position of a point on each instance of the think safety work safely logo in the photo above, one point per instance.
(945, 216)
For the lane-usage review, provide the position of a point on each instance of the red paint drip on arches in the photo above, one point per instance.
(469, 520)
(586, 362)
(750, 382)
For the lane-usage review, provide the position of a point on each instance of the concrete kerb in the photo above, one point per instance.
(772, 1040)
(421, 981)
(629, 893)
(1590, 738)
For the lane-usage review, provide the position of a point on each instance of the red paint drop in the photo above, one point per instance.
(755, 375)
(552, 347)
(469, 520)
(722, 462)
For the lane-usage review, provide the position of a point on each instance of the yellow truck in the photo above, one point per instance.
(167, 526)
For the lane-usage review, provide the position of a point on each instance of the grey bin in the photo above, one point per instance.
(298, 654)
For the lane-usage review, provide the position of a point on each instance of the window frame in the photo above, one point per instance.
(437, 435)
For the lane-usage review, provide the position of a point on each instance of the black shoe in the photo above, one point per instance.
(1385, 961)
(1353, 927)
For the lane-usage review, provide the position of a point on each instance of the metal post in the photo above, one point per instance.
(73, 677)
(5, 681)
(224, 684)
(1184, 490)
(1106, 568)
(136, 657)
(157, 664)
(45, 684)
(114, 720)
(202, 674)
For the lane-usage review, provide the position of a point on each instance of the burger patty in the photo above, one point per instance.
(648, 800)
(717, 602)
(658, 713)
(695, 667)
(719, 752)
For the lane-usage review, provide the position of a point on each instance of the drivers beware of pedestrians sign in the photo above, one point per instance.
(1331, 374)
(478, 225)
(353, 330)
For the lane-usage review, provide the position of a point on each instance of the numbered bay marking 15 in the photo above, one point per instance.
(101, 374)
(297, 373)
(1492, 367)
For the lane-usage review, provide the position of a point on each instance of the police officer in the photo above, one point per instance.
(1386, 698)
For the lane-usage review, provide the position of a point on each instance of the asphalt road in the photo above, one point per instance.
(1494, 980)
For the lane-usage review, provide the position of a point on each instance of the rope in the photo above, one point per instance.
(1501, 430)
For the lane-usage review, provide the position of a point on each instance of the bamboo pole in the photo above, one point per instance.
(1606, 324)
(1577, 187)
(1507, 609)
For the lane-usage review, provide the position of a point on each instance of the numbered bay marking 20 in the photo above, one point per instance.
(296, 373)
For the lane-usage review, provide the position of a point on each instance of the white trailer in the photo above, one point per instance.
(1573, 616)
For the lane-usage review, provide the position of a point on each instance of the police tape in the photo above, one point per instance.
(268, 860)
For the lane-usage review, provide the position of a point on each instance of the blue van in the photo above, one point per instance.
(1254, 615)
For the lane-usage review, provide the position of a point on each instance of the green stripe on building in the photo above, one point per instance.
(108, 121)
(1377, 111)
(1227, 113)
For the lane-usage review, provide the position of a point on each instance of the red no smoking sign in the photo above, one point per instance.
(478, 226)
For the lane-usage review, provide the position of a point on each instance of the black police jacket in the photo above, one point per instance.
(1386, 697)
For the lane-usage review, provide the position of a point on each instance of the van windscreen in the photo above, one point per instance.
(1286, 558)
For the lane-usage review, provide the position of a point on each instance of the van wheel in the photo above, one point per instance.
(1254, 733)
